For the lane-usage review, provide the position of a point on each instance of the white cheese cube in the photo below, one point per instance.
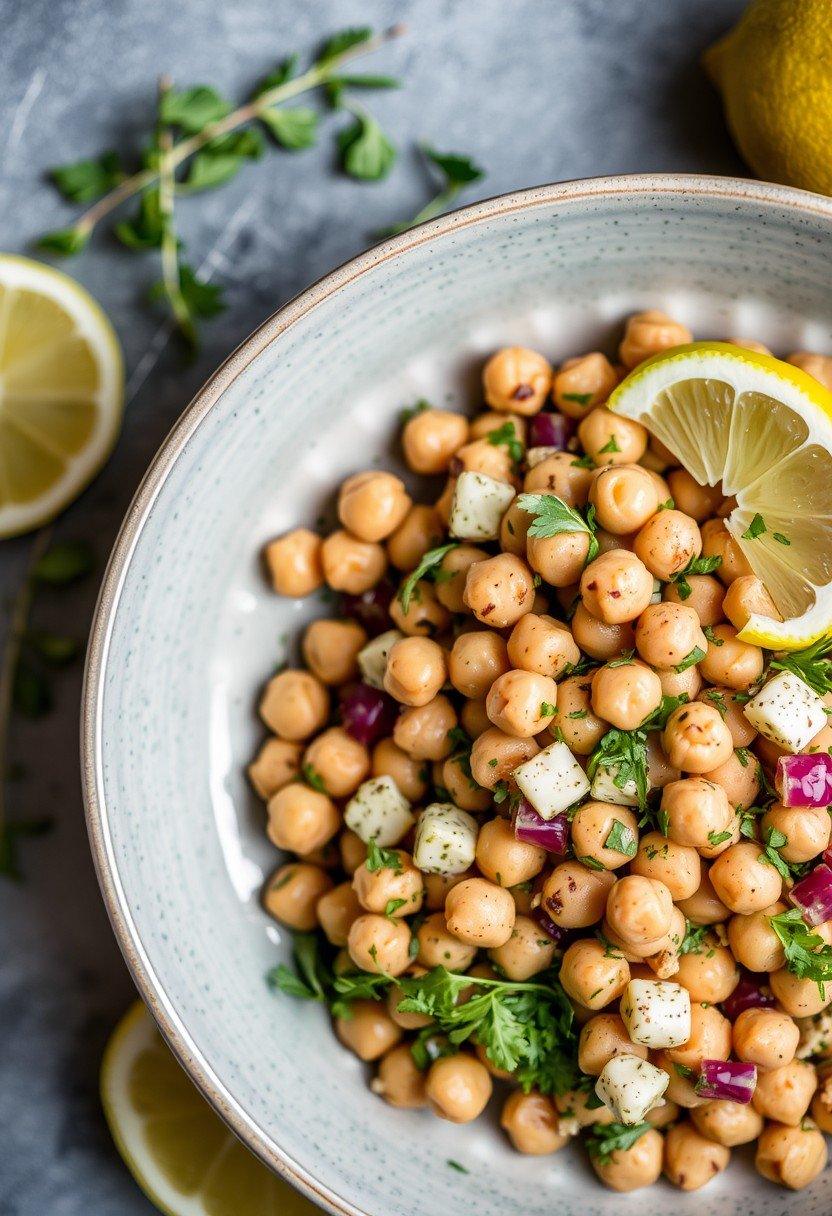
(786, 711)
(656, 1013)
(372, 660)
(478, 506)
(815, 1035)
(604, 788)
(379, 811)
(552, 780)
(631, 1087)
(446, 839)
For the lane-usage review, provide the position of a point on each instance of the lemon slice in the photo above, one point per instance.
(179, 1151)
(61, 390)
(764, 429)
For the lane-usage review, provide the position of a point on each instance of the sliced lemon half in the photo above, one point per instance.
(179, 1151)
(61, 392)
(764, 430)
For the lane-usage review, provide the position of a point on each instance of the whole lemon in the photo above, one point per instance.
(774, 71)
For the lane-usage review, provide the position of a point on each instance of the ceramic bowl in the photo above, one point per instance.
(186, 631)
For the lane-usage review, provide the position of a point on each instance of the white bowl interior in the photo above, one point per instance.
(191, 631)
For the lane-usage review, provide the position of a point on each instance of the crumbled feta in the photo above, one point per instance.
(372, 660)
(786, 711)
(446, 839)
(656, 1013)
(379, 811)
(478, 506)
(552, 780)
(631, 1087)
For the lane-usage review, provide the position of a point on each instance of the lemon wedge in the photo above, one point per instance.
(179, 1151)
(61, 391)
(764, 430)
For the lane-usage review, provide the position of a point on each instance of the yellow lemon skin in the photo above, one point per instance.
(774, 71)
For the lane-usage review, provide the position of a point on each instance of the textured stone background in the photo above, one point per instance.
(536, 90)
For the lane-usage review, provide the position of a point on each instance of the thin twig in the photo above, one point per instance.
(170, 245)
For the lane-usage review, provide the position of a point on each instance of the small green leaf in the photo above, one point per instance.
(64, 562)
(429, 562)
(294, 128)
(582, 399)
(609, 447)
(64, 241)
(366, 152)
(621, 839)
(459, 170)
(220, 160)
(282, 73)
(87, 180)
(192, 109)
(780, 538)
(146, 229)
(343, 41)
(392, 906)
(694, 656)
(756, 528)
(454, 1165)
(552, 516)
(382, 859)
(313, 778)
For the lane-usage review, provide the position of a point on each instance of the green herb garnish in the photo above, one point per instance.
(455, 172)
(428, 563)
(608, 1138)
(756, 528)
(621, 839)
(552, 516)
(382, 859)
(807, 955)
(812, 664)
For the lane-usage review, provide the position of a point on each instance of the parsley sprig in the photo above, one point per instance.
(812, 664)
(624, 752)
(426, 566)
(608, 1138)
(807, 955)
(455, 172)
(553, 516)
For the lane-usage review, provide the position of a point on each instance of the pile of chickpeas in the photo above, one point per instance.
(489, 641)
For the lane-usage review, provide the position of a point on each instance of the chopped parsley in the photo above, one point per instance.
(392, 906)
(412, 411)
(382, 859)
(812, 664)
(696, 565)
(621, 839)
(807, 955)
(711, 636)
(694, 938)
(756, 528)
(506, 436)
(608, 1138)
(694, 656)
(429, 563)
(552, 516)
(312, 777)
(609, 447)
(582, 399)
(547, 710)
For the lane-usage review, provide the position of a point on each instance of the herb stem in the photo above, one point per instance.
(319, 74)
(170, 245)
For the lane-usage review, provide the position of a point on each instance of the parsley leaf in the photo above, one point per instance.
(609, 1138)
(506, 435)
(582, 399)
(694, 937)
(696, 565)
(807, 955)
(812, 664)
(294, 128)
(695, 656)
(429, 562)
(552, 516)
(412, 410)
(624, 754)
(343, 41)
(366, 152)
(456, 171)
(621, 839)
(712, 637)
(610, 446)
(312, 977)
(87, 180)
(382, 859)
(312, 777)
(392, 906)
(756, 528)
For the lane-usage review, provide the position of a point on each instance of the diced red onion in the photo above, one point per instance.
(813, 895)
(366, 713)
(550, 431)
(550, 834)
(372, 608)
(747, 995)
(542, 918)
(732, 1080)
(804, 780)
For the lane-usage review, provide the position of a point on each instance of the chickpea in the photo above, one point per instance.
(371, 505)
(799, 997)
(301, 819)
(639, 910)
(509, 752)
(275, 765)
(531, 1123)
(416, 670)
(730, 662)
(330, 649)
(409, 775)
(476, 660)
(687, 683)
(444, 502)
(625, 694)
(741, 730)
(480, 913)
(667, 543)
(378, 890)
(592, 974)
(662, 1116)
(745, 597)
(458, 1087)
(591, 827)
(575, 896)
(705, 598)
(582, 383)
(649, 333)
(292, 893)
(624, 496)
(819, 367)
(599, 639)
(455, 777)
(668, 634)
(425, 615)
(765, 1037)
(504, 859)
(662, 956)
(718, 542)
(437, 887)
(293, 562)
(573, 1108)
(784, 1093)
(431, 437)
(634, 1167)
(743, 881)
(705, 907)
(690, 1159)
(738, 778)
(294, 705)
(351, 564)
(726, 1122)
(395, 996)
(696, 739)
(603, 1037)
(580, 728)
(514, 529)
(821, 1110)
(542, 645)
(675, 865)
(611, 438)
(681, 1089)
(369, 1031)
(616, 587)
(754, 943)
(422, 730)
(792, 1156)
(527, 952)
(697, 501)
(453, 570)
(420, 530)
(696, 810)
(483, 457)
(499, 590)
(335, 912)
(340, 761)
(399, 1081)
(517, 380)
(438, 947)
(709, 973)
(353, 851)
(521, 703)
(806, 829)
(559, 559)
(379, 944)
(562, 475)
(474, 719)
(660, 772)
(710, 1037)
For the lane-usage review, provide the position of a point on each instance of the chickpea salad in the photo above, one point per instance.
(557, 830)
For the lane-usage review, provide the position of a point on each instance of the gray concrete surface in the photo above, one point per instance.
(536, 90)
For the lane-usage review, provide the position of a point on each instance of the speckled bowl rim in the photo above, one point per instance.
(141, 967)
